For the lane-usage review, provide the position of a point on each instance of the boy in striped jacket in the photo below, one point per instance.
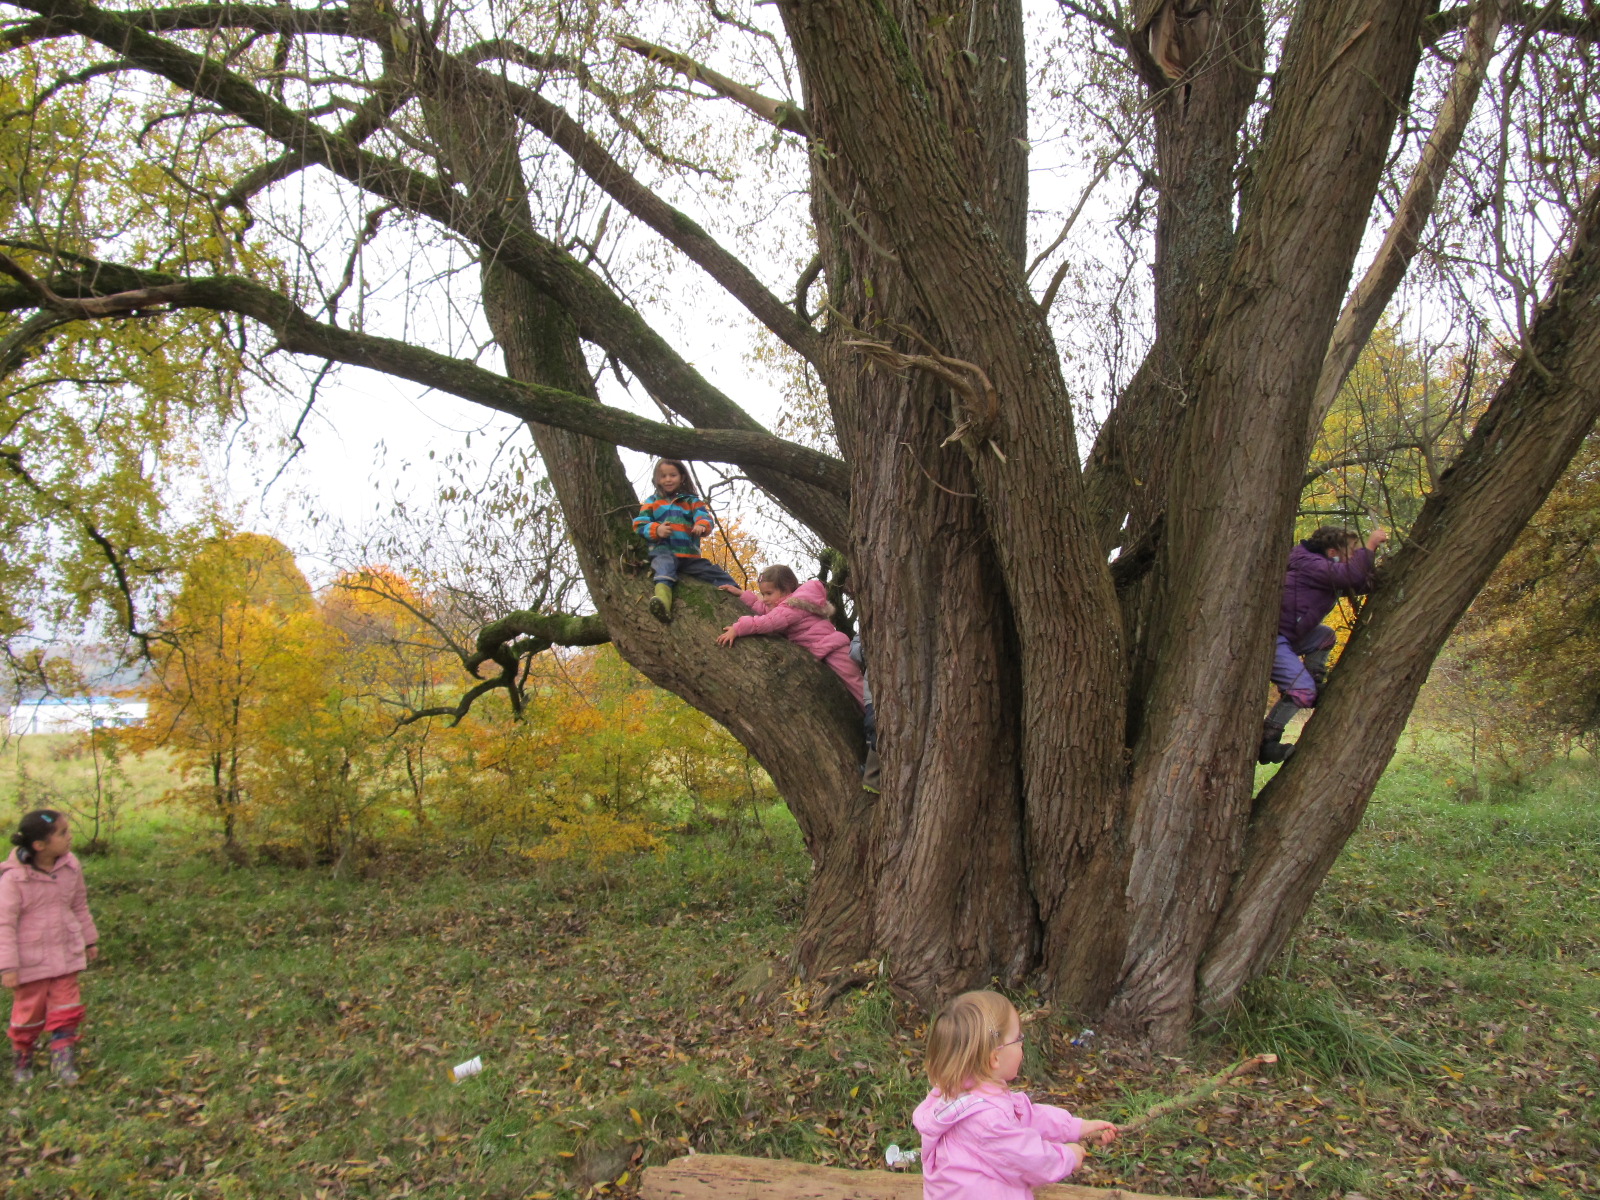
(673, 520)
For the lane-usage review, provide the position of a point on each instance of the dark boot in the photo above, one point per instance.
(871, 772)
(22, 1068)
(1272, 748)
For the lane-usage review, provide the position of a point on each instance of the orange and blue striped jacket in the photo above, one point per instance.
(671, 519)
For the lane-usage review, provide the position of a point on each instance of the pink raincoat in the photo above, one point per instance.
(804, 618)
(993, 1144)
(45, 926)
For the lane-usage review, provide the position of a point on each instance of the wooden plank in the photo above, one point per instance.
(728, 1177)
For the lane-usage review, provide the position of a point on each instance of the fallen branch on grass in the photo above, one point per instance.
(1166, 1108)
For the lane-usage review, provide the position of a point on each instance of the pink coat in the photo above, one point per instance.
(45, 926)
(804, 618)
(993, 1144)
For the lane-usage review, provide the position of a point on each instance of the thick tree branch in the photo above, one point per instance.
(370, 115)
(539, 632)
(299, 333)
(1366, 305)
(506, 643)
(1534, 17)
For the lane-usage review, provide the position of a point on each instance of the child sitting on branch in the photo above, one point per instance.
(801, 613)
(1331, 562)
(673, 520)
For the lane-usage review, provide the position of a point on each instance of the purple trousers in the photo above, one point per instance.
(1296, 666)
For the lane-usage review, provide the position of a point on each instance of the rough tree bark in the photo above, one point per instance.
(1068, 743)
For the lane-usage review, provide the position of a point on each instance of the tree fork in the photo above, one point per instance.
(1535, 423)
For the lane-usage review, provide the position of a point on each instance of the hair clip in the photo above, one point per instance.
(47, 818)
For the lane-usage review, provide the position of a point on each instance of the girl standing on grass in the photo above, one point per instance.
(981, 1140)
(46, 937)
(801, 613)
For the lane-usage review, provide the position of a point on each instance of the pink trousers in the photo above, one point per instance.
(50, 1006)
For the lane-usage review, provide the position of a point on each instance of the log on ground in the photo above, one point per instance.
(729, 1177)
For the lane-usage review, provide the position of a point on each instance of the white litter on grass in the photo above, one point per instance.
(467, 1069)
(897, 1157)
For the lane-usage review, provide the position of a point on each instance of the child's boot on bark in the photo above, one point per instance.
(64, 1063)
(871, 771)
(661, 603)
(22, 1067)
(1272, 748)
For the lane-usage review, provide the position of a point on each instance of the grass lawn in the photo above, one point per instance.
(266, 1031)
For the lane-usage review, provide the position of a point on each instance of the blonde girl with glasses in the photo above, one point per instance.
(980, 1139)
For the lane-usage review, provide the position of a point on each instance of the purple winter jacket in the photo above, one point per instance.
(45, 926)
(1313, 585)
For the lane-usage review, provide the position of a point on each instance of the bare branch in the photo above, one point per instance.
(677, 227)
(786, 116)
(600, 315)
(1364, 459)
(1366, 304)
(507, 642)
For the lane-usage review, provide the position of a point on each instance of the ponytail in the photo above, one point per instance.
(37, 826)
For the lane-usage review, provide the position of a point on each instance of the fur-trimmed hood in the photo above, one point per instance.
(811, 597)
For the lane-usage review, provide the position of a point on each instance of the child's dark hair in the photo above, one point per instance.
(1331, 537)
(37, 826)
(685, 480)
(780, 577)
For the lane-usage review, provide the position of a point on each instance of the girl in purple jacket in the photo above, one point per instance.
(981, 1140)
(800, 612)
(1331, 562)
(46, 937)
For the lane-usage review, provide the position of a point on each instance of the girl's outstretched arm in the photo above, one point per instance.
(1053, 1122)
(774, 622)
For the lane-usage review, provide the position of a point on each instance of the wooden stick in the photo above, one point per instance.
(1166, 1108)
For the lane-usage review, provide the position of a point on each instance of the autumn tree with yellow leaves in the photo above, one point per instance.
(241, 648)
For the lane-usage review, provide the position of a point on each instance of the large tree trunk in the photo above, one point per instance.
(1128, 867)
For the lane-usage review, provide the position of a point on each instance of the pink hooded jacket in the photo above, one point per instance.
(993, 1144)
(45, 926)
(804, 618)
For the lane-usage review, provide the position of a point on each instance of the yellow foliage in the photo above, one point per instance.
(243, 645)
(283, 713)
(734, 549)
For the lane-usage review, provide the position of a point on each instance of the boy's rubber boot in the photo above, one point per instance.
(63, 1064)
(661, 603)
(22, 1068)
(1272, 748)
(871, 772)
